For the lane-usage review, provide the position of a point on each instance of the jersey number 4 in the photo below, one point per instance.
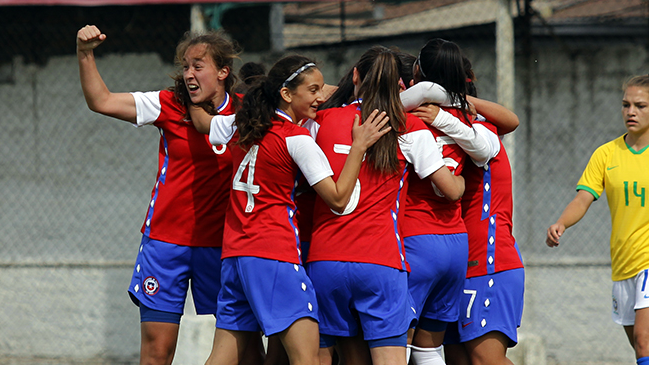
(248, 186)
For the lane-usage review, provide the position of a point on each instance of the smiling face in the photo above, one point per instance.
(203, 78)
(303, 102)
(635, 110)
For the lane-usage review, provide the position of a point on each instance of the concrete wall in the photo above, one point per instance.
(74, 188)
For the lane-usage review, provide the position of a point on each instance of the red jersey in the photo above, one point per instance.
(261, 220)
(487, 210)
(189, 199)
(427, 211)
(368, 231)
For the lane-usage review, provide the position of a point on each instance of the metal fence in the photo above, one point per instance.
(74, 185)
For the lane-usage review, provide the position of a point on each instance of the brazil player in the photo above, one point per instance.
(619, 167)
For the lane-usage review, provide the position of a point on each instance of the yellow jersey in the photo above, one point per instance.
(624, 173)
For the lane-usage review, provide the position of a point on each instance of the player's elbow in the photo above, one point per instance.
(337, 206)
(454, 196)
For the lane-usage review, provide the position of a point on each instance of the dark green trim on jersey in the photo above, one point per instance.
(586, 188)
(634, 151)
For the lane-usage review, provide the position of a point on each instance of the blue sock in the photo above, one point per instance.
(643, 360)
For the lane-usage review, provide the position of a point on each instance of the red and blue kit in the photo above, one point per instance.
(261, 221)
(369, 229)
(427, 210)
(487, 209)
(183, 229)
(189, 199)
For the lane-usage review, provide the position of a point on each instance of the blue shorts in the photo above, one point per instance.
(162, 275)
(351, 293)
(437, 271)
(261, 294)
(490, 303)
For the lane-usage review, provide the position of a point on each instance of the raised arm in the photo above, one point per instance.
(337, 193)
(424, 92)
(574, 211)
(504, 119)
(98, 97)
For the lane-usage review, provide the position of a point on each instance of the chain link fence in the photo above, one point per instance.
(74, 185)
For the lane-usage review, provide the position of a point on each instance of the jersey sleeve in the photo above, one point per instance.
(309, 158)
(489, 132)
(147, 106)
(222, 129)
(592, 179)
(474, 142)
(312, 126)
(420, 149)
(422, 93)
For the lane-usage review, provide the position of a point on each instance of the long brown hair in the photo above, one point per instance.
(378, 69)
(222, 51)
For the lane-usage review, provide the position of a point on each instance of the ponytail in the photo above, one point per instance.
(378, 69)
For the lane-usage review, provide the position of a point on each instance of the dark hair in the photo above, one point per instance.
(222, 51)
(407, 63)
(378, 69)
(639, 81)
(260, 102)
(470, 78)
(442, 62)
(343, 95)
(250, 70)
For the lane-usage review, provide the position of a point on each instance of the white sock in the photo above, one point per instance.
(408, 350)
(426, 356)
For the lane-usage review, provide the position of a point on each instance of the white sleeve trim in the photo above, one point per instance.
(147, 107)
(492, 140)
(222, 129)
(477, 145)
(420, 149)
(424, 92)
(309, 158)
(312, 126)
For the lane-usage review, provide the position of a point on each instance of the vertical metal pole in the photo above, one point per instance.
(277, 27)
(505, 66)
(197, 19)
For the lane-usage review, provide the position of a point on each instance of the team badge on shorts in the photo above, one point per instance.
(615, 305)
(151, 285)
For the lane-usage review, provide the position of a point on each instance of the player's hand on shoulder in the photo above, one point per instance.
(374, 127)
(427, 113)
(554, 233)
(88, 38)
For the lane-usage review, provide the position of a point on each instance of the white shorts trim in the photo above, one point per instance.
(629, 295)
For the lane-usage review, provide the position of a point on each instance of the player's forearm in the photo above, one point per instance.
(93, 86)
(574, 211)
(504, 119)
(201, 119)
(347, 179)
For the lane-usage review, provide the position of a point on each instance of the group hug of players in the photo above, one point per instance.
(370, 222)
